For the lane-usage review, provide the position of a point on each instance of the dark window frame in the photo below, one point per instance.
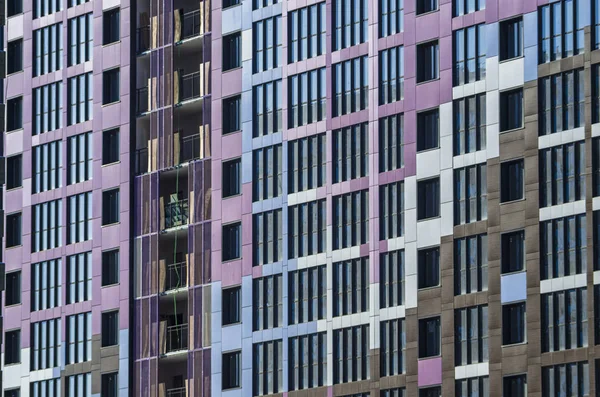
(14, 56)
(111, 207)
(236, 293)
(509, 254)
(111, 32)
(229, 384)
(111, 146)
(232, 51)
(428, 123)
(14, 172)
(511, 49)
(13, 281)
(12, 347)
(231, 188)
(110, 328)
(111, 86)
(424, 213)
(424, 75)
(511, 190)
(428, 258)
(14, 231)
(425, 333)
(507, 101)
(232, 123)
(510, 335)
(110, 268)
(231, 233)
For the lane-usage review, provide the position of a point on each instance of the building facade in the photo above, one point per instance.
(361, 198)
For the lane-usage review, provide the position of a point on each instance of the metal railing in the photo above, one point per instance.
(189, 87)
(176, 276)
(177, 338)
(176, 392)
(176, 213)
(141, 100)
(190, 148)
(190, 24)
(143, 39)
(141, 161)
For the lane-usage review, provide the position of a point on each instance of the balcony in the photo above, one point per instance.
(176, 214)
(190, 148)
(177, 338)
(141, 101)
(143, 39)
(141, 161)
(177, 392)
(176, 276)
(187, 87)
(190, 26)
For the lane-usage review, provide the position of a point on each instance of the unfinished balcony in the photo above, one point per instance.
(177, 338)
(142, 37)
(177, 392)
(173, 202)
(187, 25)
(141, 101)
(174, 332)
(173, 264)
(172, 379)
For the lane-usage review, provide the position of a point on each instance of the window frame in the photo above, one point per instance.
(238, 360)
(507, 30)
(108, 25)
(506, 181)
(505, 97)
(424, 352)
(226, 169)
(105, 257)
(112, 218)
(111, 319)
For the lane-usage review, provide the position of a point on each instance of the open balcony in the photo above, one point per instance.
(143, 39)
(173, 201)
(141, 101)
(176, 213)
(177, 392)
(187, 87)
(177, 338)
(187, 25)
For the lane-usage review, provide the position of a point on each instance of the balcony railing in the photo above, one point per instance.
(141, 100)
(177, 338)
(189, 87)
(191, 24)
(143, 39)
(176, 276)
(141, 161)
(177, 392)
(190, 148)
(176, 213)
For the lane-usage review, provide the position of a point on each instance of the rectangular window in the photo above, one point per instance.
(470, 194)
(469, 124)
(307, 163)
(81, 39)
(595, 167)
(563, 247)
(47, 166)
(393, 347)
(428, 199)
(513, 251)
(232, 241)
(14, 114)
(109, 385)
(350, 23)
(111, 26)
(307, 98)
(52, 388)
(572, 378)
(267, 172)
(232, 305)
(267, 237)
(110, 146)
(435, 391)
(511, 110)
(562, 102)
(42, 8)
(471, 339)
(307, 355)
(595, 93)
(391, 17)
(78, 385)
(46, 225)
(13, 288)
(391, 210)
(429, 267)
(351, 287)
(110, 328)
(79, 218)
(12, 347)
(514, 386)
(351, 354)
(79, 338)
(110, 267)
(267, 368)
(429, 337)
(232, 178)
(110, 86)
(512, 181)
(232, 370)
(80, 158)
(473, 387)
(73, 3)
(425, 6)
(470, 264)
(350, 152)
(560, 30)
(13, 230)
(391, 279)
(428, 130)
(80, 98)
(232, 114)
(79, 277)
(391, 142)
(513, 323)
(267, 302)
(462, 7)
(110, 207)
(232, 51)
(350, 85)
(562, 174)
(267, 108)
(45, 345)
(469, 54)
(14, 8)
(256, 4)
(307, 229)
(267, 44)
(307, 29)
(14, 172)
(391, 73)
(46, 284)
(350, 219)
(596, 236)
(511, 39)
(14, 61)
(595, 10)
(307, 295)
(564, 320)
(428, 59)
(48, 49)
(47, 108)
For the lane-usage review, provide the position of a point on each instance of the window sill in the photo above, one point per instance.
(109, 346)
(12, 364)
(230, 260)
(429, 357)
(111, 43)
(14, 73)
(16, 246)
(16, 15)
(14, 188)
(428, 288)
(232, 69)
(513, 129)
(111, 103)
(513, 272)
(231, 325)
(514, 201)
(110, 285)
(15, 130)
(428, 149)
(427, 12)
(429, 218)
(428, 81)
(111, 224)
(231, 7)
(511, 59)
(13, 305)
(515, 344)
(232, 196)
(232, 389)
(231, 133)
(109, 164)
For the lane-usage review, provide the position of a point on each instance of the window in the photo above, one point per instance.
(14, 62)
(232, 305)
(47, 105)
(81, 39)
(109, 385)
(469, 54)
(46, 344)
(429, 267)
(560, 30)
(425, 6)
(79, 214)
(399, 392)
(572, 378)
(110, 267)
(596, 236)
(351, 219)
(511, 110)
(391, 279)
(12, 347)
(51, 387)
(79, 276)
(562, 174)
(391, 142)
(350, 152)
(563, 246)
(511, 39)
(17, 393)
(232, 370)
(267, 302)
(351, 287)
(267, 44)
(80, 158)
(307, 163)
(350, 23)
(13, 288)
(232, 241)
(391, 210)
(46, 225)
(110, 207)
(391, 17)
(73, 3)
(595, 167)
(232, 51)
(391, 73)
(562, 102)
(13, 230)
(393, 347)
(79, 338)
(428, 130)
(470, 264)
(350, 86)
(14, 172)
(462, 7)
(232, 114)
(46, 284)
(47, 166)
(470, 194)
(110, 328)
(44, 7)
(307, 230)
(110, 86)
(469, 124)
(564, 320)
(230, 3)
(512, 184)
(351, 354)
(429, 337)
(80, 97)
(513, 251)
(232, 177)
(267, 237)
(267, 108)
(256, 4)
(595, 20)
(307, 355)
(428, 198)
(514, 386)
(428, 61)
(513, 323)
(267, 172)
(110, 146)
(307, 32)
(307, 295)
(471, 344)
(14, 8)
(307, 97)
(78, 385)
(473, 387)
(435, 391)
(14, 114)
(111, 26)
(48, 48)
(267, 368)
